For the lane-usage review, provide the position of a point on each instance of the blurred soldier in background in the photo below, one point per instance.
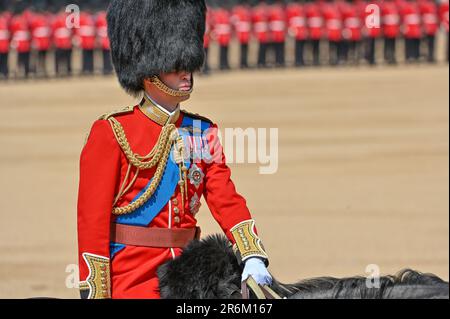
(62, 41)
(443, 14)
(351, 32)
(296, 18)
(277, 29)
(242, 21)
(103, 41)
(412, 30)
(41, 39)
(222, 33)
(390, 20)
(430, 22)
(371, 29)
(5, 37)
(315, 25)
(86, 38)
(261, 29)
(333, 26)
(21, 40)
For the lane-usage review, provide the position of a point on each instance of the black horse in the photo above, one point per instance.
(209, 269)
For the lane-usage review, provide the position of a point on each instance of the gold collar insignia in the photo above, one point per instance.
(157, 113)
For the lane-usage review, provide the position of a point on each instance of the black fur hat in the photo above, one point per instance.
(152, 36)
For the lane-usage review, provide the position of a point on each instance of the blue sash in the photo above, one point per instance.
(145, 214)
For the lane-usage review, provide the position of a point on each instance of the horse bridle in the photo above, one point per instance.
(260, 291)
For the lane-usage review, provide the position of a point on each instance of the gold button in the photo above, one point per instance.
(177, 219)
(103, 280)
(176, 210)
(103, 286)
(105, 294)
(102, 273)
(175, 201)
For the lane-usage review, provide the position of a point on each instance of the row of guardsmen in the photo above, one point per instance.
(345, 25)
(32, 34)
(351, 29)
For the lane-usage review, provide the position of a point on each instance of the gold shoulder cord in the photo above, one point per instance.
(158, 157)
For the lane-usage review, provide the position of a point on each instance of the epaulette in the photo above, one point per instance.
(197, 116)
(125, 110)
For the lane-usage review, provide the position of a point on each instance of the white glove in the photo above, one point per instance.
(256, 268)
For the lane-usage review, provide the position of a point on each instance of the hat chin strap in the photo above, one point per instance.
(164, 88)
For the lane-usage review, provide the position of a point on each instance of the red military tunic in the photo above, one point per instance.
(411, 20)
(242, 21)
(260, 23)
(296, 17)
(277, 23)
(351, 22)
(86, 32)
(102, 30)
(103, 166)
(371, 15)
(314, 21)
(390, 19)
(333, 21)
(20, 30)
(62, 35)
(5, 35)
(222, 26)
(41, 32)
(429, 15)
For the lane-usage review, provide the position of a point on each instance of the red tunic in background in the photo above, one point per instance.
(296, 17)
(261, 23)
(411, 20)
(20, 32)
(277, 23)
(86, 32)
(222, 26)
(242, 21)
(390, 19)
(5, 35)
(41, 31)
(314, 20)
(429, 16)
(443, 14)
(62, 35)
(333, 21)
(102, 30)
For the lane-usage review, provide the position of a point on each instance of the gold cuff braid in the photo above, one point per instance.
(247, 242)
(98, 282)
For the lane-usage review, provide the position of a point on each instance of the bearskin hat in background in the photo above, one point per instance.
(153, 36)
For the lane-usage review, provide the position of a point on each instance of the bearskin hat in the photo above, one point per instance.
(153, 36)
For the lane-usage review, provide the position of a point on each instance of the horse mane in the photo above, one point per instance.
(356, 286)
(209, 269)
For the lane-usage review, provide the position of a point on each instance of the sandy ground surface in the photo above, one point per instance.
(363, 175)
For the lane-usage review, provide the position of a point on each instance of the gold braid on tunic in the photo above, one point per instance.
(158, 157)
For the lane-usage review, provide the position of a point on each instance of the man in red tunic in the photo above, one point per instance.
(295, 14)
(144, 169)
(315, 25)
(5, 39)
(261, 31)
(103, 41)
(62, 41)
(222, 33)
(242, 22)
(390, 20)
(430, 23)
(412, 29)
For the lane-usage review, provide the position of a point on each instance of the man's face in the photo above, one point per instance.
(181, 81)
